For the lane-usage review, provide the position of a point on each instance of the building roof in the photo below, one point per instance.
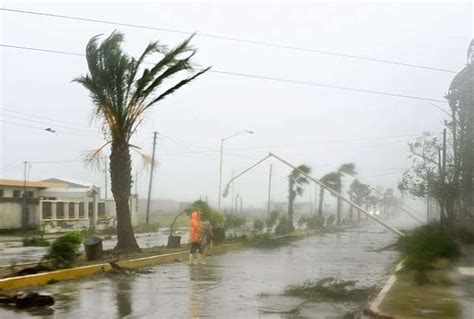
(70, 182)
(30, 184)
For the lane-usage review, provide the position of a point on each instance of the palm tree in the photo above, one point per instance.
(122, 93)
(344, 169)
(329, 180)
(334, 180)
(296, 180)
(358, 192)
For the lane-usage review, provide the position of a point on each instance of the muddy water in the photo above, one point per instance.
(239, 284)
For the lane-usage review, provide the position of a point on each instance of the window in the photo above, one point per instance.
(101, 210)
(17, 193)
(81, 210)
(1, 193)
(47, 210)
(59, 210)
(30, 194)
(72, 208)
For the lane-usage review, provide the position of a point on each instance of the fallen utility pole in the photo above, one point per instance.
(332, 191)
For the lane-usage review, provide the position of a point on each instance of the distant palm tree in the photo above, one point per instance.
(122, 90)
(358, 193)
(329, 180)
(296, 180)
(334, 180)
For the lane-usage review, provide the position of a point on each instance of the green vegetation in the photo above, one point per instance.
(207, 213)
(284, 226)
(64, 250)
(258, 225)
(424, 246)
(330, 289)
(311, 222)
(267, 240)
(234, 222)
(272, 219)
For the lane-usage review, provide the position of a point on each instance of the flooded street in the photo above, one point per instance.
(244, 283)
(14, 252)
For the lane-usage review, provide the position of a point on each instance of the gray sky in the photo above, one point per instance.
(305, 124)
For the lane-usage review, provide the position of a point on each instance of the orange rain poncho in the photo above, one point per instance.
(195, 228)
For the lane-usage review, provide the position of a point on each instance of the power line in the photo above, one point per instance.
(233, 39)
(42, 117)
(260, 77)
(41, 128)
(50, 123)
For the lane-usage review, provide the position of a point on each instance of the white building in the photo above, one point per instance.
(57, 204)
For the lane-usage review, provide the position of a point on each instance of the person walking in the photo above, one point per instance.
(195, 237)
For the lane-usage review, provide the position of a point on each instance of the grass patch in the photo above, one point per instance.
(330, 289)
(407, 299)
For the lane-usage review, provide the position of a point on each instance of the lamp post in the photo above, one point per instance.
(220, 165)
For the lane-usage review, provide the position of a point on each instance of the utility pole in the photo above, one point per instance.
(151, 178)
(233, 193)
(443, 179)
(24, 213)
(269, 190)
(241, 204)
(105, 176)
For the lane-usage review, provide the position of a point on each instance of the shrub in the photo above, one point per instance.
(234, 222)
(284, 226)
(426, 244)
(315, 222)
(64, 250)
(302, 221)
(330, 220)
(258, 225)
(35, 242)
(272, 219)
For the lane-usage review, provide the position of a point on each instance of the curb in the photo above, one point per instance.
(84, 271)
(373, 310)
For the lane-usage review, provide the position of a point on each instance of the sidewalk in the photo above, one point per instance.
(449, 293)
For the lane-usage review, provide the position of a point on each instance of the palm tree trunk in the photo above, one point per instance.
(321, 199)
(121, 183)
(291, 200)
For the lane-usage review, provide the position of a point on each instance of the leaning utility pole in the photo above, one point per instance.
(151, 178)
(269, 190)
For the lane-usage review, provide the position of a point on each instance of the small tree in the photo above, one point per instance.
(234, 222)
(207, 213)
(258, 225)
(284, 226)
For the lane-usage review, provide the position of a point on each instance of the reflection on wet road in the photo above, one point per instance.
(238, 284)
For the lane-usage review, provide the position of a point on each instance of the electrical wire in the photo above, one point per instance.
(233, 39)
(255, 76)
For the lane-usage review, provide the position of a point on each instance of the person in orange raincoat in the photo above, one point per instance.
(195, 237)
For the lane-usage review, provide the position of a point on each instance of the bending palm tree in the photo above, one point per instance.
(334, 180)
(330, 180)
(122, 93)
(295, 188)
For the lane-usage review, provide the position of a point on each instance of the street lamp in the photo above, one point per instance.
(220, 165)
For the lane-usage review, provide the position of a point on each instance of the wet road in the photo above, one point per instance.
(240, 284)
